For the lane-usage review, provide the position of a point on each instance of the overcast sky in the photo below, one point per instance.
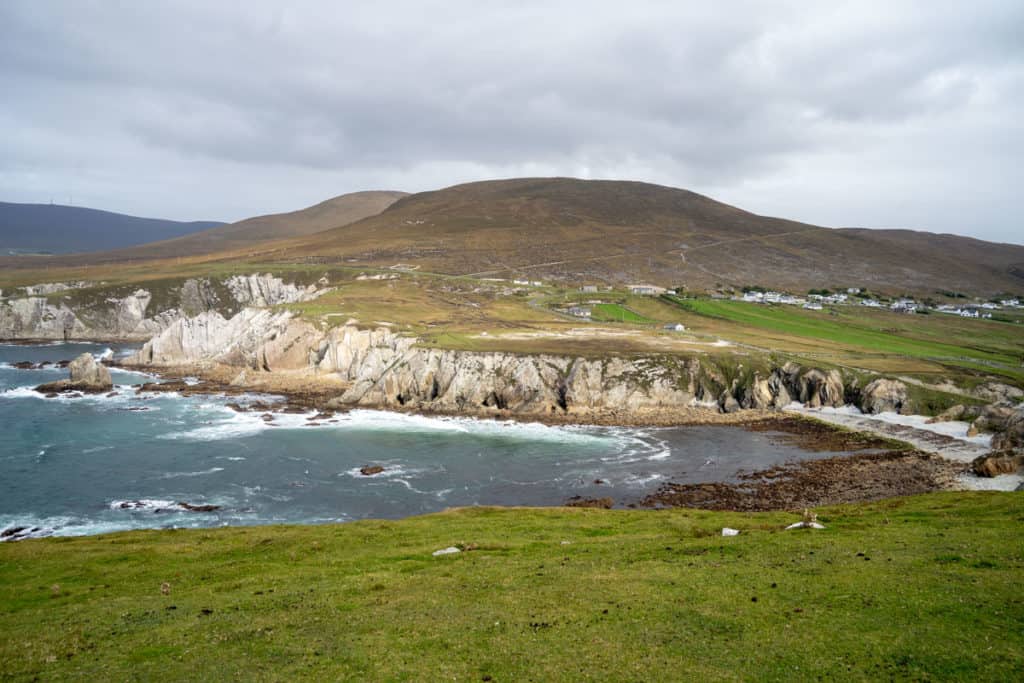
(894, 114)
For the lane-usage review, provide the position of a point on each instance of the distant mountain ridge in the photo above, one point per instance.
(335, 212)
(60, 229)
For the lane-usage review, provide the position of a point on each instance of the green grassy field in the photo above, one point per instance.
(992, 347)
(924, 588)
(618, 313)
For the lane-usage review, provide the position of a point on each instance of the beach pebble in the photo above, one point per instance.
(726, 531)
(451, 550)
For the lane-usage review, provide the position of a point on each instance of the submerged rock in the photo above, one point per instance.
(370, 470)
(198, 508)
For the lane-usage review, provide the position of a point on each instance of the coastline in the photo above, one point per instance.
(897, 462)
(870, 463)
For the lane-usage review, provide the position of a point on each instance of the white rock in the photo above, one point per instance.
(450, 550)
(726, 531)
(805, 525)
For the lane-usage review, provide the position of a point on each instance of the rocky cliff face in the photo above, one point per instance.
(380, 368)
(46, 312)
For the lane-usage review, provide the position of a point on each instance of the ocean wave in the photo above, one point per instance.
(200, 473)
(16, 528)
(20, 392)
(642, 480)
(532, 431)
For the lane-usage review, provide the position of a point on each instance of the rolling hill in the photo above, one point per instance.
(54, 228)
(616, 231)
(225, 239)
(576, 231)
(332, 213)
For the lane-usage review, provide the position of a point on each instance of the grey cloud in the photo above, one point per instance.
(776, 108)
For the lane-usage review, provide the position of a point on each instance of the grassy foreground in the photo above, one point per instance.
(923, 588)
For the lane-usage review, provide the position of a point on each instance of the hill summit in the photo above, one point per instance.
(623, 231)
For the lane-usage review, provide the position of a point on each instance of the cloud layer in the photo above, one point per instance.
(880, 114)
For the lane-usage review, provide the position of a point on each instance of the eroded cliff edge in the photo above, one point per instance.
(379, 368)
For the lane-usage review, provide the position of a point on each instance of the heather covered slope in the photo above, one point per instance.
(53, 228)
(620, 231)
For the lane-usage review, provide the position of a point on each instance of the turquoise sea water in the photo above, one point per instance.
(102, 463)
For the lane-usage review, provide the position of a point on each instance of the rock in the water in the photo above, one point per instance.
(1012, 435)
(198, 508)
(994, 417)
(957, 412)
(994, 464)
(86, 375)
(884, 396)
(370, 470)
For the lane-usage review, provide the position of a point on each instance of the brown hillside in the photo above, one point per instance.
(339, 211)
(614, 231)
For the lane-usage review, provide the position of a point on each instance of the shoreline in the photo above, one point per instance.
(891, 466)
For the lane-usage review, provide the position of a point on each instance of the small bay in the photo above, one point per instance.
(100, 463)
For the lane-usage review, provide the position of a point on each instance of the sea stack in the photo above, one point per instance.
(86, 375)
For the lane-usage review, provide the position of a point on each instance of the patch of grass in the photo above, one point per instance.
(905, 588)
(618, 313)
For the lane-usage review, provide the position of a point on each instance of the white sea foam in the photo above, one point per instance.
(144, 504)
(200, 473)
(1003, 482)
(42, 527)
(642, 480)
(20, 392)
(231, 424)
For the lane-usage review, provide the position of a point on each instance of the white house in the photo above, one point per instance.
(811, 306)
(589, 289)
(646, 290)
(578, 311)
(904, 306)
